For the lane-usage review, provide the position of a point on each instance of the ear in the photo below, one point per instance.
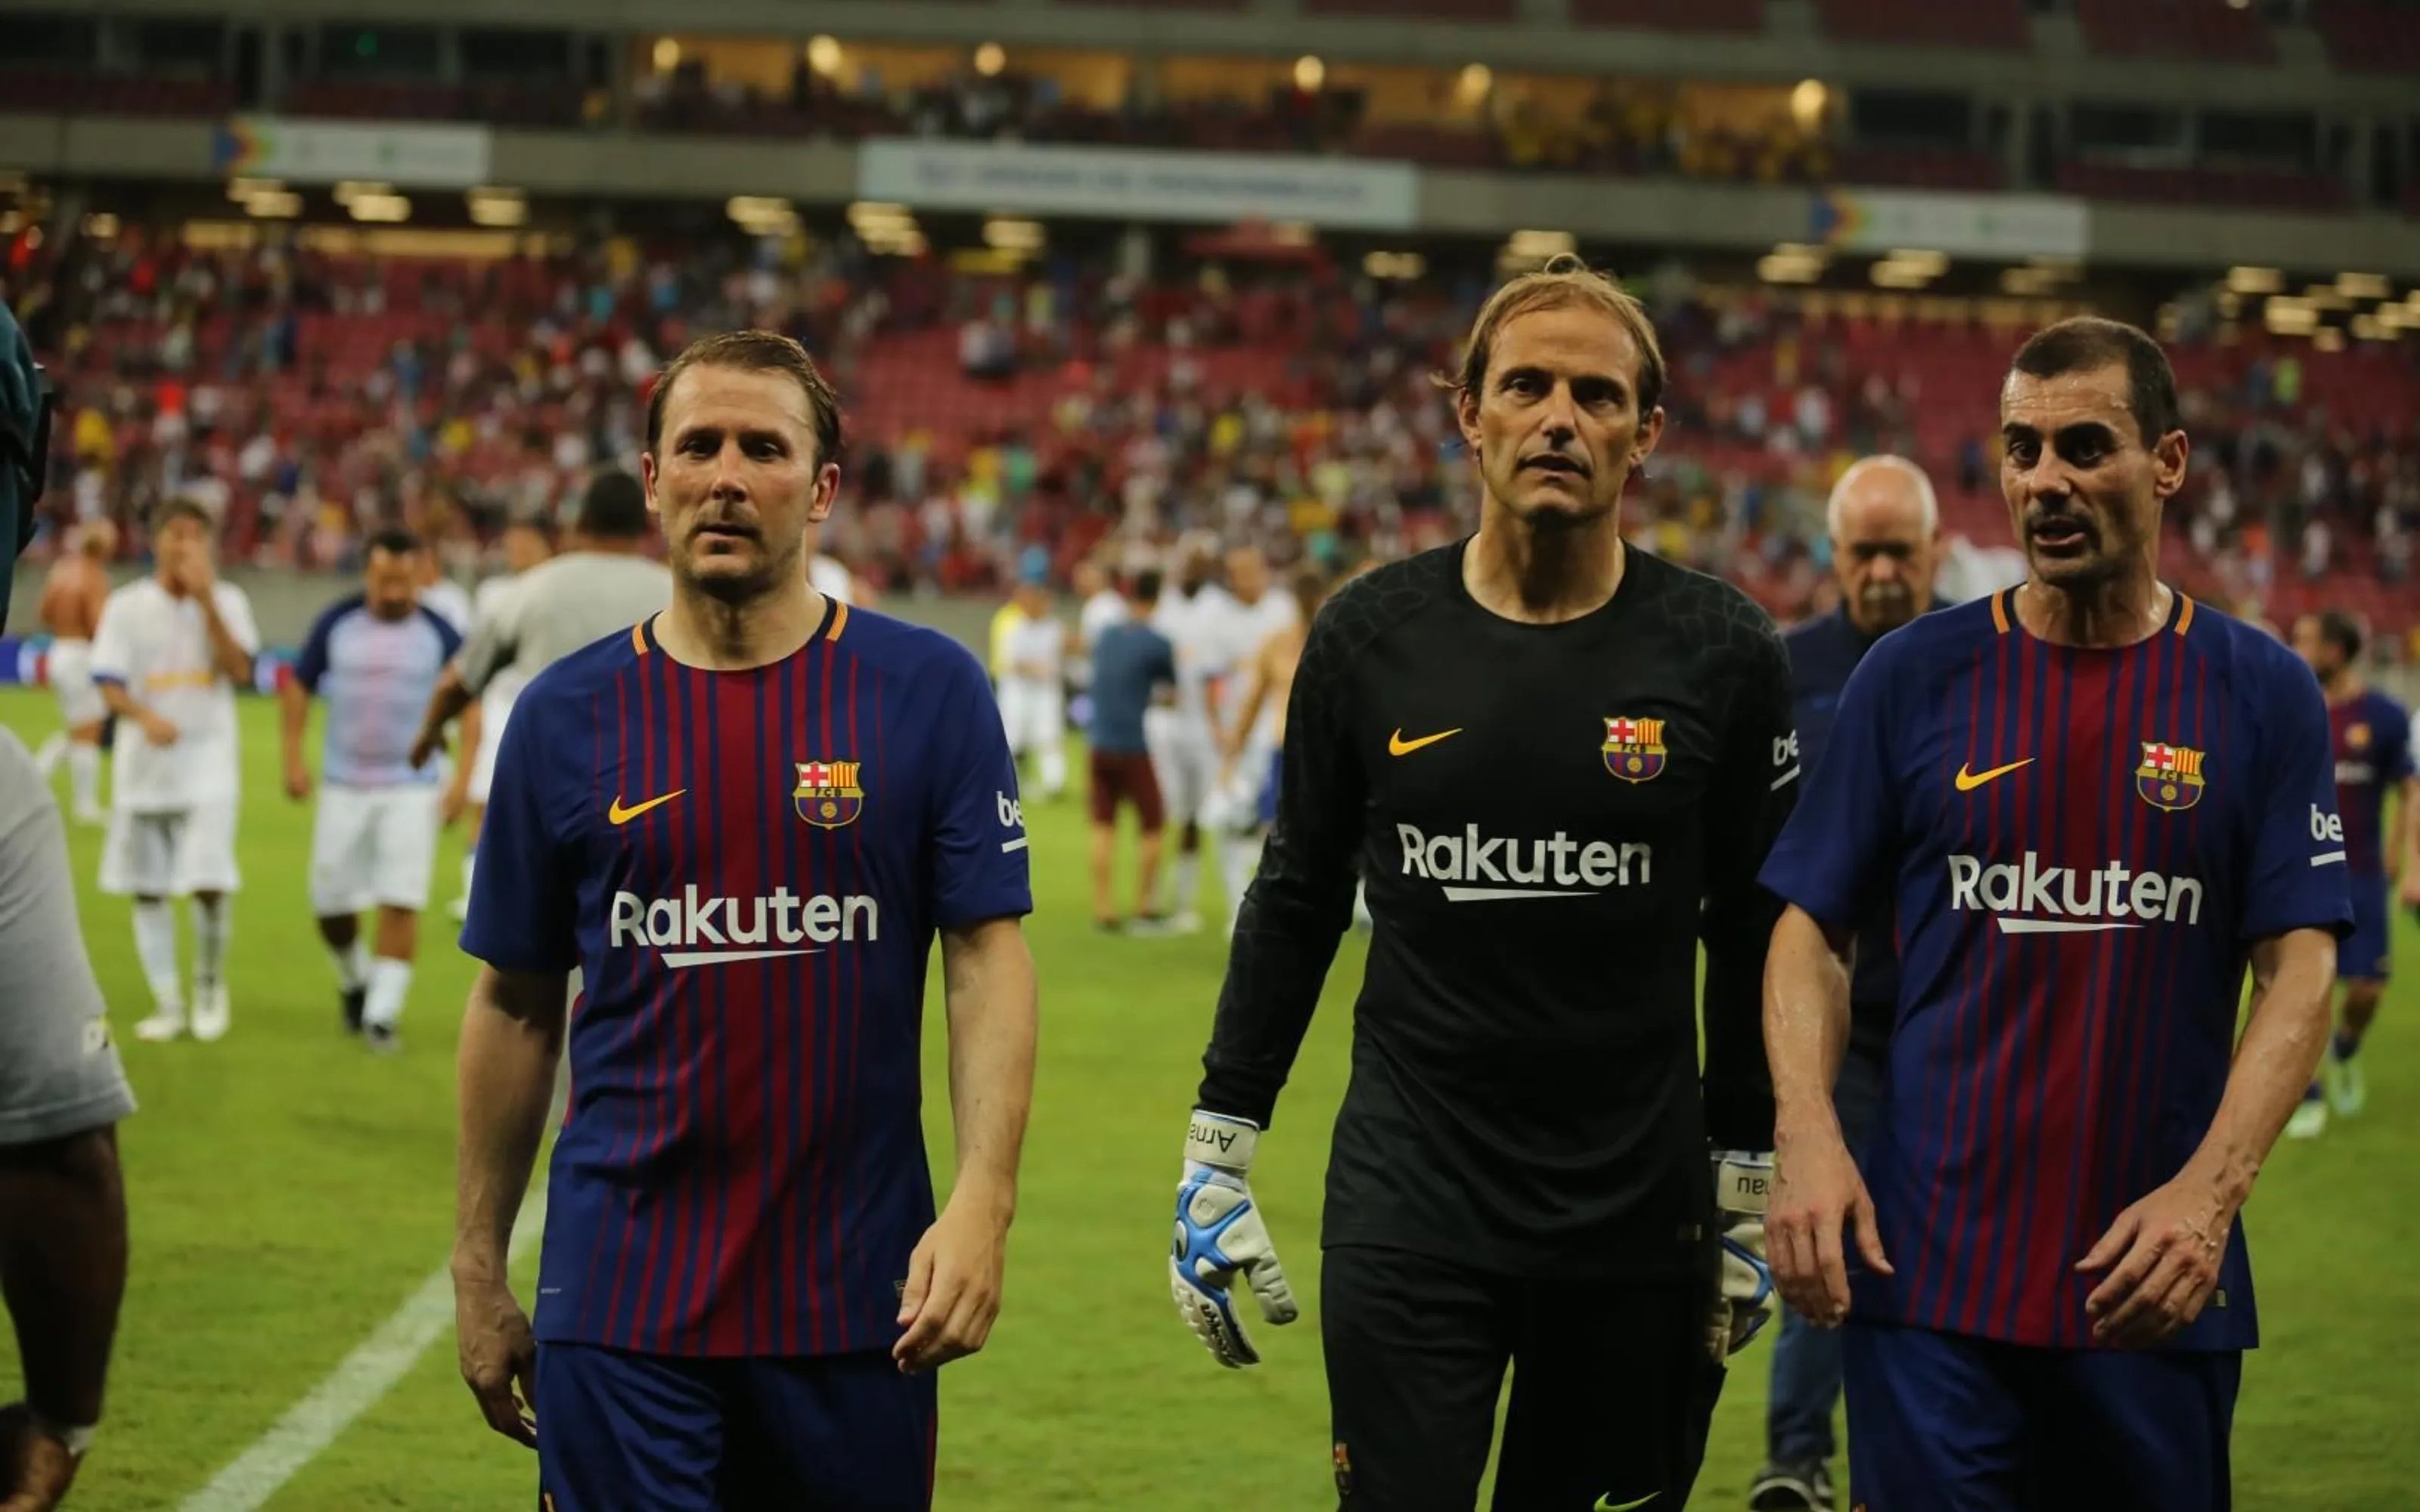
(819, 506)
(2168, 459)
(647, 478)
(1650, 430)
(1465, 418)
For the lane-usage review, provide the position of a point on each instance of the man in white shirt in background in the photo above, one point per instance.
(73, 596)
(526, 544)
(1103, 605)
(1193, 616)
(171, 650)
(1250, 616)
(829, 576)
(1033, 689)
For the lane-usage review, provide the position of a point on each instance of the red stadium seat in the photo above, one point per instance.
(2208, 31)
(1993, 24)
(2366, 36)
(1745, 17)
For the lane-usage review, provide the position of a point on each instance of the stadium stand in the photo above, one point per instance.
(1738, 17)
(318, 396)
(2366, 37)
(1999, 24)
(2266, 189)
(60, 89)
(2204, 31)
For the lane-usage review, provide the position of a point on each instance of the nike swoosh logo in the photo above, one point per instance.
(1607, 1503)
(1398, 746)
(618, 816)
(1968, 782)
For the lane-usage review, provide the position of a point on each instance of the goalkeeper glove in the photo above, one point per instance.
(1219, 1234)
(1745, 1303)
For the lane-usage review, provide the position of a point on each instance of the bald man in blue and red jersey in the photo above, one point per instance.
(2372, 737)
(2090, 803)
(743, 820)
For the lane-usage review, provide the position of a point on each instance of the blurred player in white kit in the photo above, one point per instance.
(1245, 622)
(1033, 691)
(168, 656)
(1194, 617)
(73, 596)
(525, 544)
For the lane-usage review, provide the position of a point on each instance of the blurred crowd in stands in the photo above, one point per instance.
(996, 421)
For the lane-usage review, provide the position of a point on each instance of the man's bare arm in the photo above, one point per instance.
(512, 1035)
(988, 974)
(2293, 977)
(452, 697)
(63, 1268)
(1256, 693)
(2403, 833)
(228, 653)
(1805, 1021)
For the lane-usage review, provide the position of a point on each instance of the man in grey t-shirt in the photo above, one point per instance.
(62, 1201)
(599, 586)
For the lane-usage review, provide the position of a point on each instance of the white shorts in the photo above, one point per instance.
(71, 676)
(1185, 763)
(373, 846)
(172, 853)
(1035, 713)
(493, 712)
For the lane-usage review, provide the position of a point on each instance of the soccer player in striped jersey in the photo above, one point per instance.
(2372, 737)
(744, 820)
(2090, 803)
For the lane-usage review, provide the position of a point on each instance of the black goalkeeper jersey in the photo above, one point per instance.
(1548, 819)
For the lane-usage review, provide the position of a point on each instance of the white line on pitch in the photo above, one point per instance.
(349, 1390)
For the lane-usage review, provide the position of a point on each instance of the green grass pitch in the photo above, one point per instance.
(289, 1192)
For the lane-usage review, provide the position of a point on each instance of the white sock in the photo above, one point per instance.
(1188, 880)
(389, 982)
(352, 963)
(83, 771)
(212, 924)
(46, 760)
(155, 948)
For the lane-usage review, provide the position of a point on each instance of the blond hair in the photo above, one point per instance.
(1563, 281)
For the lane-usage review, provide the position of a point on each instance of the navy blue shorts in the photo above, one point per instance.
(1941, 1422)
(621, 1432)
(2365, 955)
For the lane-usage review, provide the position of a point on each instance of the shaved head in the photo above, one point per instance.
(1885, 528)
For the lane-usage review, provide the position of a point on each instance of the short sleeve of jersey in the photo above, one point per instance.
(1163, 661)
(2297, 878)
(449, 639)
(978, 825)
(312, 664)
(1833, 858)
(2394, 754)
(235, 608)
(490, 646)
(522, 916)
(113, 642)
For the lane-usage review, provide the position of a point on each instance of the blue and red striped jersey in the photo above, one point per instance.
(2371, 736)
(748, 869)
(2082, 846)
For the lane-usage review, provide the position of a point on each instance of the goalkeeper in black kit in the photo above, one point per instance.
(1559, 763)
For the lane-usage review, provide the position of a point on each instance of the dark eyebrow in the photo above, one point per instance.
(1611, 380)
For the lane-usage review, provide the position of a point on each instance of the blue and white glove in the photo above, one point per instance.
(1745, 1303)
(1218, 1236)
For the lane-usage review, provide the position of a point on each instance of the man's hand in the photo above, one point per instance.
(1744, 1306)
(1817, 1193)
(298, 781)
(954, 1283)
(2166, 1250)
(2410, 890)
(35, 1467)
(498, 1354)
(1219, 1234)
(426, 744)
(156, 730)
(450, 806)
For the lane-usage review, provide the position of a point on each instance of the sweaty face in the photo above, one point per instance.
(2313, 646)
(391, 582)
(1555, 427)
(2084, 484)
(1884, 554)
(737, 480)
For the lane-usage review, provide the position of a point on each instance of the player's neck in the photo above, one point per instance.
(2344, 687)
(704, 632)
(1518, 572)
(2118, 612)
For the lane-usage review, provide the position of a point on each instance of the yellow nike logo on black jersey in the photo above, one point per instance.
(1398, 746)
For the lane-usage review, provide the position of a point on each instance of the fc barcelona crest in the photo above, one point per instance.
(1633, 748)
(828, 795)
(2170, 776)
